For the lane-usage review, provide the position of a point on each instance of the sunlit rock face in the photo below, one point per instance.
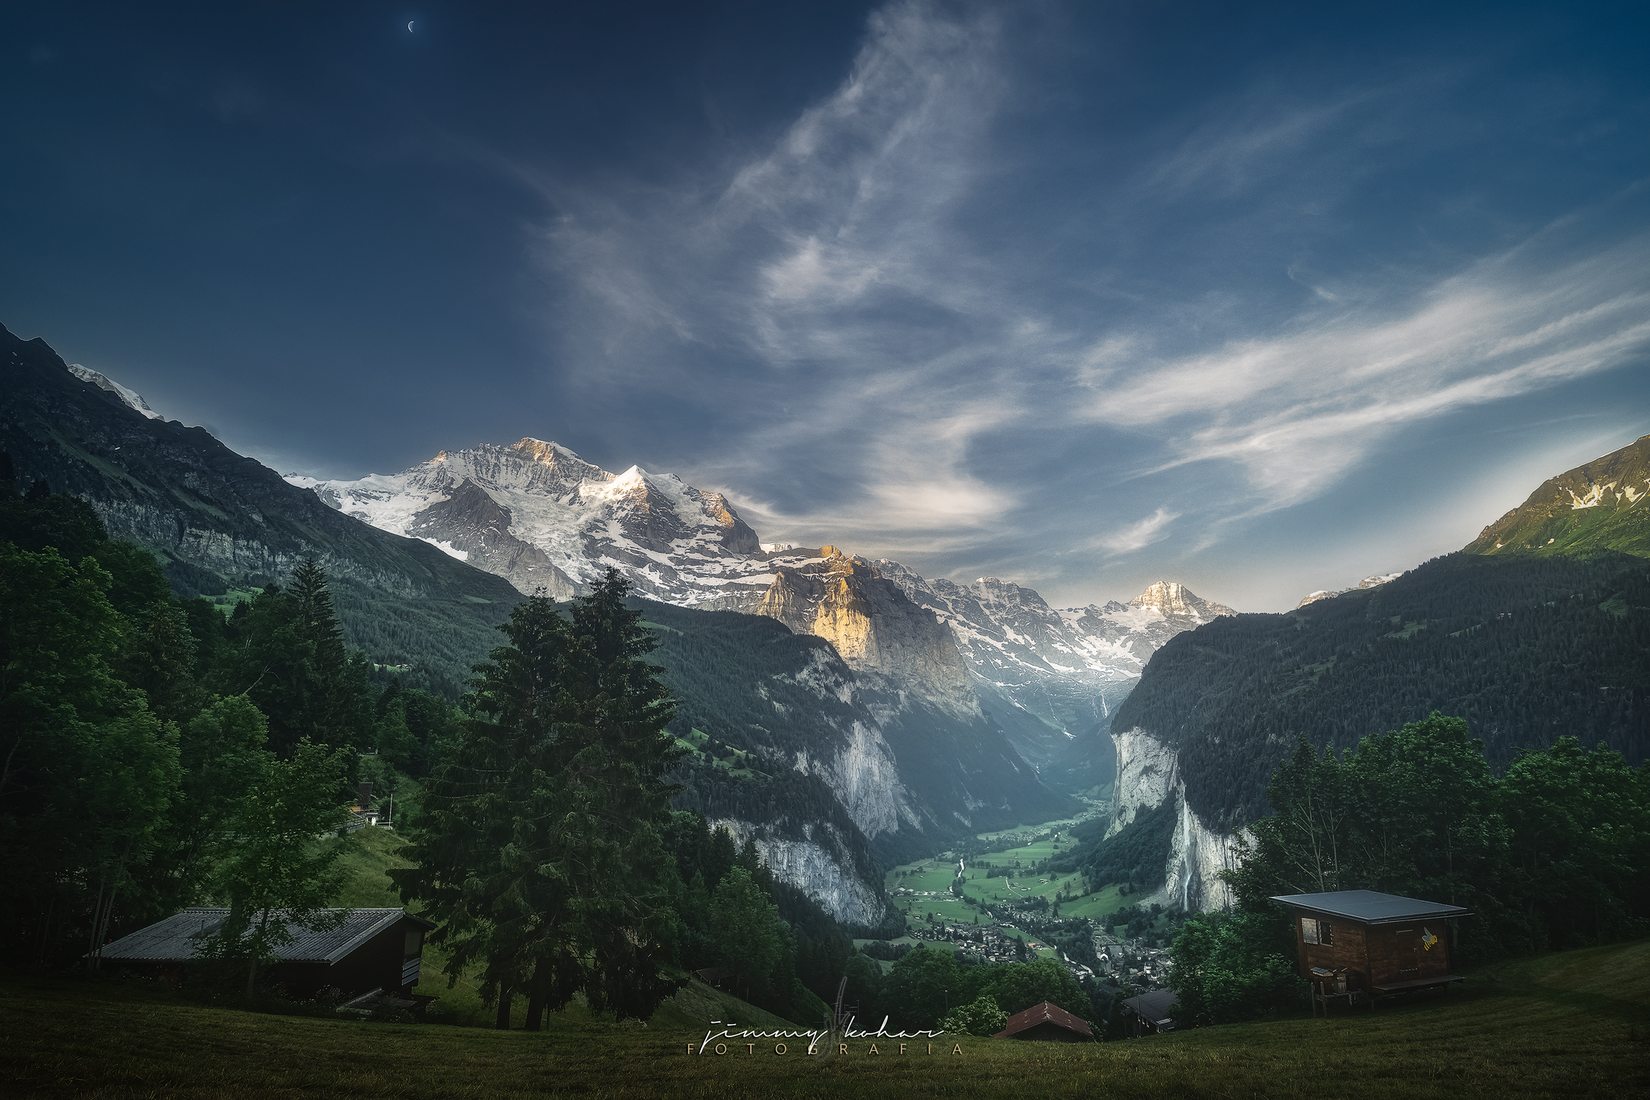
(871, 622)
(1148, 774)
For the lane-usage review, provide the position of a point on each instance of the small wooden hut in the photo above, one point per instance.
(1361, 944)
(353, 952)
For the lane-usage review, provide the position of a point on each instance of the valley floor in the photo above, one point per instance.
(1563, 1025)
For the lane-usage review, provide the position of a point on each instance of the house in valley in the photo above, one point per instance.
(1361, 945)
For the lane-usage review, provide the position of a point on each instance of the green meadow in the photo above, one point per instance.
(1014, 852)
(1563, 1025)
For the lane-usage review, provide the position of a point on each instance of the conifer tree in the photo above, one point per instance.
(541, 852)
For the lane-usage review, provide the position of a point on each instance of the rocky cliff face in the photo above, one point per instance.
(815, 866)
(872, 624)
(1148, 774)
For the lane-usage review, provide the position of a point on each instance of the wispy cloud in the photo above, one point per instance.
(1138, 535)
(852, 317)
(894, 348)
(1299, 408)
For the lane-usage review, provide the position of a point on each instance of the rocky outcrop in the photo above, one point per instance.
(872, 624)
(1148, 774)
(861, 771)
(816, 865)
(474, 527)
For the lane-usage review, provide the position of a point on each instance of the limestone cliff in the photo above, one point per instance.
(817, 866)
(1148, 774)
(872, 624)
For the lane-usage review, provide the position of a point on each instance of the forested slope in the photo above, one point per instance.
(1527, 649)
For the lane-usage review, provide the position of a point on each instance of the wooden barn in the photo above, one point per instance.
(1149, 1013)
(367, 951)
(1046, 1022)
(1361, 945)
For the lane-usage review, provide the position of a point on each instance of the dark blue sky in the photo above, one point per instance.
(1075, 294)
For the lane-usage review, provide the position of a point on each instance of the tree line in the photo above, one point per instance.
(1552, 853)
(157, 752)
(1523, 648)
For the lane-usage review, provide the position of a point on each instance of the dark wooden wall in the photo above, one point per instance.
(1396, 953)
(1346, 951)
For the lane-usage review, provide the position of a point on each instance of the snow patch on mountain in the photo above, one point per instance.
(131, 398)
(1330, 593)
(1608, 493)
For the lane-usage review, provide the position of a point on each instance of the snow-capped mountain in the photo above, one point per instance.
(1368, 582)
(130, 398)
(1067, 667)
(541, 516)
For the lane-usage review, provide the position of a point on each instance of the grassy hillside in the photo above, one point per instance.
(1574, 1024)
(1602, 505)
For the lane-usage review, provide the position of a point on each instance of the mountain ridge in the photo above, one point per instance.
(1603, 504)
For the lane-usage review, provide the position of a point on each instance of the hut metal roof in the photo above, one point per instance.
(1156, 1006)
(179, 937)
(1043, 1013)
(1370, 906)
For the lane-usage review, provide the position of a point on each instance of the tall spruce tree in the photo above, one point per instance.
(541, 851)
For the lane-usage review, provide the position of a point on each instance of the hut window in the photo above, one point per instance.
(1316, 931)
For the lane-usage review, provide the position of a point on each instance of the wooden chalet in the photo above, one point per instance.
(354, 952)
(1149, 1013)
(1361, 944)
(1047, 1022)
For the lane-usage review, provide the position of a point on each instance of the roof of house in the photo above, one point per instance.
(1156, 1006)
(1370, 906)
(179, 937)
(1044, 1013)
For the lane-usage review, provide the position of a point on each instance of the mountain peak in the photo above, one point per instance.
(1165, 596)
(542, 450)
(1600, 505)
(1174, 598)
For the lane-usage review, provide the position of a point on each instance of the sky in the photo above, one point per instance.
(1261, 298)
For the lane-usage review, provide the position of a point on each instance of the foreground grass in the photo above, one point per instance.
(1573, 1024)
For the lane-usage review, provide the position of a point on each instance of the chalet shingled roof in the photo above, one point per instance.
(1156, 1006)
(1370, 906)
(179, 937)
(1044, 1013)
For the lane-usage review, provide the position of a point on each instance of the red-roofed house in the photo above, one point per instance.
(1048, 1022)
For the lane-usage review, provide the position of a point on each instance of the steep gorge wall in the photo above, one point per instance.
(1148, 774)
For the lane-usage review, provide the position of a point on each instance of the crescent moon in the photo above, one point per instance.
(410, 25)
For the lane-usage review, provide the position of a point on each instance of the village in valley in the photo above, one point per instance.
(997, 900)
